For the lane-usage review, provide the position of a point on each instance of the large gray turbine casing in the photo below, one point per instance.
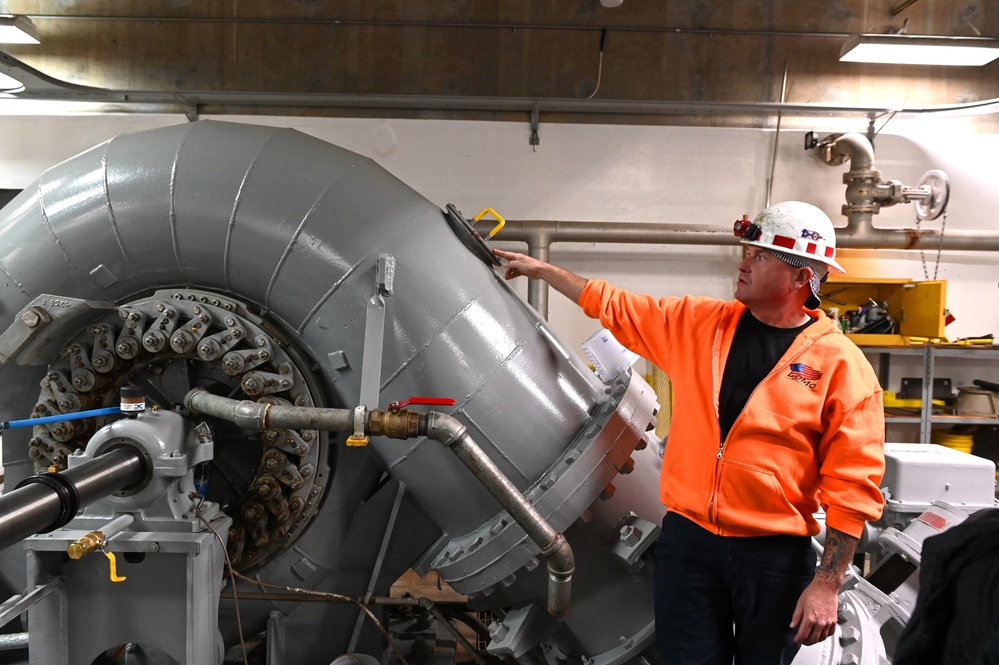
(294, 228)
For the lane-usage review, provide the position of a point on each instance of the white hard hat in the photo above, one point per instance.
(795, 228)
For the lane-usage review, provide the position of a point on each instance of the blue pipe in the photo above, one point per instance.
(31, 422)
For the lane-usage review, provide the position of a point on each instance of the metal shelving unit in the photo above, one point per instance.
(929, 355)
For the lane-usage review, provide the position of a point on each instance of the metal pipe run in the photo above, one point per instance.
(554, 547)
(12, 641)
(254, 415)
(404, 424)
(540, 234)
(47, 501)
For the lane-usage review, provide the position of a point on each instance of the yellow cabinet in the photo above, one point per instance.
(917, 307)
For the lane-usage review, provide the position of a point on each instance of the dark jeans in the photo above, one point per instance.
(722, 598)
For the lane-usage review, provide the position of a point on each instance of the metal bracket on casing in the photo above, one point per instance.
(38, 329)
(374, 331)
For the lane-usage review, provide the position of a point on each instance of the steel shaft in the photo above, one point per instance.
(47, 501)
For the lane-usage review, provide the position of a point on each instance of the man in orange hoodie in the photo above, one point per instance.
(775, 414)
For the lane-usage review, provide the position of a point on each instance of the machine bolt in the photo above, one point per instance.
(849, 636)
(498, 631)
(630, 535)
(30, 318)
(846, 612)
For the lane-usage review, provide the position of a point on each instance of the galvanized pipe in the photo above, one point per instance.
(12, 641)
(438, 426)
(254, 415)
(450, 432)
(48, 501)
(540, 234)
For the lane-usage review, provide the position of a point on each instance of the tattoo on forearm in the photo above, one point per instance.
(836, 556)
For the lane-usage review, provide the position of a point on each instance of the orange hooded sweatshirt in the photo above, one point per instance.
(811, 433)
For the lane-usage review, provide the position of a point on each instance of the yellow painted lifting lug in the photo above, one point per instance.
(502, 222)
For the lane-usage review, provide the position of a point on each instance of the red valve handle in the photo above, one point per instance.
(430, 401)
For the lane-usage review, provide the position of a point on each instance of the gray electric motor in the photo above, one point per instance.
(263, 264)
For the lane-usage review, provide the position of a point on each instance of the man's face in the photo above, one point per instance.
(764, 280)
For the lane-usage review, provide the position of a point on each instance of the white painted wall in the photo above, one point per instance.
(709, 176)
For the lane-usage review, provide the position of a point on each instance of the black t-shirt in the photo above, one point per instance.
(755, 351)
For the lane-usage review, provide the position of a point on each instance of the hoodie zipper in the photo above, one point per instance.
(716, 486)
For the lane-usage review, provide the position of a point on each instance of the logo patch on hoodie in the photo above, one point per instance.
(804, 374)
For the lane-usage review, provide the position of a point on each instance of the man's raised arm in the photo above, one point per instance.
(568, 284)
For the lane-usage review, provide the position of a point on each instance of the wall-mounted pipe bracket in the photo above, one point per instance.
(535, 112)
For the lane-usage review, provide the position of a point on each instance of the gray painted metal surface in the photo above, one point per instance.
(289, 230)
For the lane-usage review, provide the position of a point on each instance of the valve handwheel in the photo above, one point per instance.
(938, 185)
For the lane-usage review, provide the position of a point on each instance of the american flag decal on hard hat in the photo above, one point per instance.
(805, 372)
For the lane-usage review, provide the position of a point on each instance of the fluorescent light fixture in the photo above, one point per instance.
(17, 30)
(920, 50)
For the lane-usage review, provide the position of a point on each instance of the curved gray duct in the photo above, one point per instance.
(360, 290)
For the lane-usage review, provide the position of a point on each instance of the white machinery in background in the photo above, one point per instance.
(928, 489)
(338, 388)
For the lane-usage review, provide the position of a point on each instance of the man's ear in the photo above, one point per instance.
(802, 276)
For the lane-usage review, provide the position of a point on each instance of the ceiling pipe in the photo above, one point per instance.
(39, 86)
